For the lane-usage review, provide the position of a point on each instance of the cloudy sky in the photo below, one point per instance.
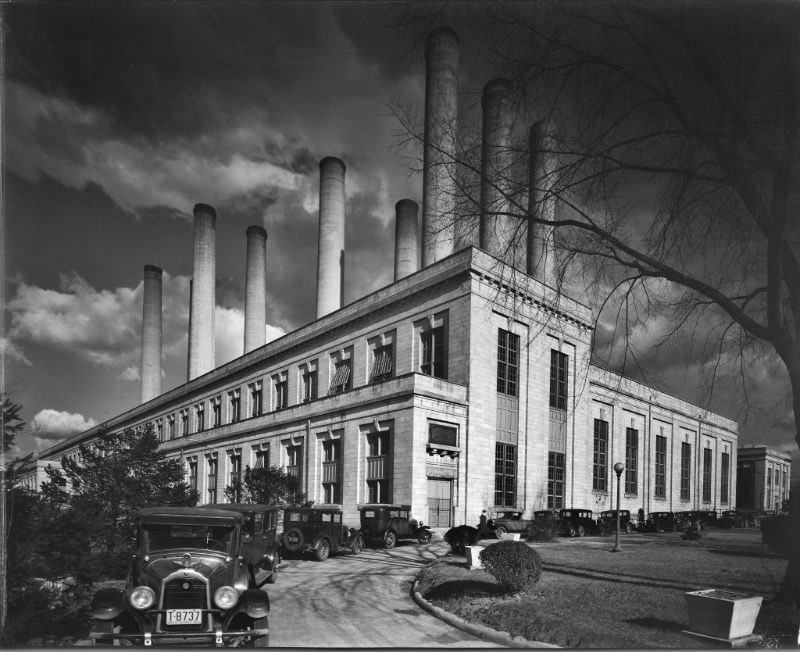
(121, 116)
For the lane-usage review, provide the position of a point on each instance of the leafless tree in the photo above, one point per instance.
(673, 128)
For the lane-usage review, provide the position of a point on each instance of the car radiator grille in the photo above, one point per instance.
(185, 594)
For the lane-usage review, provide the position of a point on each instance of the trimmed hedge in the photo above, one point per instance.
(460, 536)
(515, 565)
(776, 533)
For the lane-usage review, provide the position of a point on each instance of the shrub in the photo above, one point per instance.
(515, 565)
(461, 536)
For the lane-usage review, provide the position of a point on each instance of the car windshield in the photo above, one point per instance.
(166, 537)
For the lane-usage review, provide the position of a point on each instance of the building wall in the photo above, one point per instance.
(756, 473)
(473, 296)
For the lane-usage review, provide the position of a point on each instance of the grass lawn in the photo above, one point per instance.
(634, 598)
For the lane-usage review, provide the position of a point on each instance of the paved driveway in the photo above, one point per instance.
(358, 601)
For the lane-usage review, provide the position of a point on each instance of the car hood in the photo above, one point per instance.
(217, 567)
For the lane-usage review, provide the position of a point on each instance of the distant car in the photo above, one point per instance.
(509, 521)
(387, 524)
(577, 522)
(260, 540)
(188, 584)
(318, 530)
(659, 522)
(608, 521)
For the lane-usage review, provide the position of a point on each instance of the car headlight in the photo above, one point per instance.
(142, 597)
(225, 597)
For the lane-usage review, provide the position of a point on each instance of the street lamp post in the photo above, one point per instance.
(619, 467)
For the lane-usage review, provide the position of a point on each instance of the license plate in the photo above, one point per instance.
(184, 616)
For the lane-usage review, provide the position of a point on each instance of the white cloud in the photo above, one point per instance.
(55, 422)
(99, 325)
(12, 352)
(75, 145)
(130, 374)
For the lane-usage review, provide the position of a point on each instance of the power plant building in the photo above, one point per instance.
(464, 385)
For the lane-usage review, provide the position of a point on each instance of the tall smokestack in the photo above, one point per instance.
(406, 241)
(497, 228)
(255, 289)
(541, 260)
(201, 309)
(438, 181)
(330, 250)
(152, 333)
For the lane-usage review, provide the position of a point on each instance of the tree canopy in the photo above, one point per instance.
(266, 486)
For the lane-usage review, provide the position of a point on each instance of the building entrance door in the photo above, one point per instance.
(440, 502)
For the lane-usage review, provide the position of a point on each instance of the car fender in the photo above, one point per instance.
(108, 603)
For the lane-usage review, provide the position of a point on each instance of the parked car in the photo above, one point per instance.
(607, 522)
(188, 584)
(318, 530)
(577, 522)
(659, 522)
(509, 521)
(387, 524)
(260, 540)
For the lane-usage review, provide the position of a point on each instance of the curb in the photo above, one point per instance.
(481, 631)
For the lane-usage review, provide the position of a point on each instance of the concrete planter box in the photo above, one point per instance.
(474, 557)
(722, 614)
(510, 536)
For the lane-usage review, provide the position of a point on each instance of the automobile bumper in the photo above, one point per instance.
(218, 637)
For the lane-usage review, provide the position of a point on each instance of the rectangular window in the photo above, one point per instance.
(686, 466)
(192, 472)
(171, 426)
(309, 384)
(160, 429)
(281, 389)
(212, 479)
(378, 467)
(382, 363)
(724, 478)
(235, 405)
(342, 378)
(184, 423)
(507, 362)
(631, 461)
(235, 461)
(331, 470)
(505, 475)
(256, 398)
(706, 475)
(440, 434)
(555, 480)
(262, 458)
(432, 353)
(199, 417)
(216, 412)
(558, 379)
(600, 459)
(661, 467)
(294, 461)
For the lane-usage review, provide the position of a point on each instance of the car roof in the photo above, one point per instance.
(244, 507)
(383, 505)
(328, 507)
(188, 515)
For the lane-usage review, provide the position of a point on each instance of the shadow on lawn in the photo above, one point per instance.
(461, 588)
(746, 553)
(657, 623)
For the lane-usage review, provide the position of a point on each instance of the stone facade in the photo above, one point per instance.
(427, 414)
(763, 478)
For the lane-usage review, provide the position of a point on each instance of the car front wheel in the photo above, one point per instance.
(358, 545)
(500, 531)
(425, 537)
(581, 531)
(389, 539)
(322, 550)
(261, 641)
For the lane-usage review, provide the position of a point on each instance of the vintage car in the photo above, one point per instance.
(577, 522)
(608, 521)
(318, 530)
(659, 522)
(260, 541)
(188, 584)
(387, 524)
(509, 521)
